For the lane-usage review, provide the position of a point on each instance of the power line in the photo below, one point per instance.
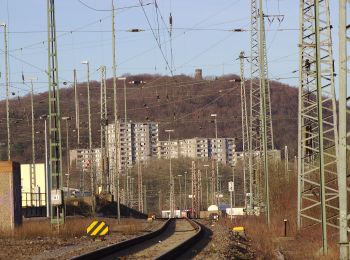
(155, 37)
(109, 10)
(63, 34)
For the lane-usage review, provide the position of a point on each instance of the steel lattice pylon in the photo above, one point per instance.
(55, 148)
(195, 191)
(6, 55)
(199, 192)
(212, 183)
(172, 197)
(254, 124)
(245, 138)
(268, 113)
(260, 125)
(104, 134)
(343, 176)
(317, 131)
(140, 187)
(32, 165)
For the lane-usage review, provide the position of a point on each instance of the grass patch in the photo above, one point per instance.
(268, 241)
(74, 227)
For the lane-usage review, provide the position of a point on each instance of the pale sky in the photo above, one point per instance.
(201, 38)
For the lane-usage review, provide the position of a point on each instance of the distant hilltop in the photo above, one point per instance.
(182, 103)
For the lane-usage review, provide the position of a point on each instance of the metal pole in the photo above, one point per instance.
(171, 182)
(67, 154)
(245, 136)
(131, 191)
(207, 184)
(90, 136)
(263, 111)
(186, 191)
(32, 167)
(127, 185)
(180, 203)
(116, 139)
(320, 130)
(145, 199)
(125, 99)
(286, 163)
(104, 134)
(55, 145)
(231, 205)
(125, 119)
(47, 174)
(254, 111)
(212, 184)
(7, 93)
(76, 101)
(217, 161)
(301, 134)
(234, 190)
(217, 158)
(92, 177)
(342, 154)
(160, 201)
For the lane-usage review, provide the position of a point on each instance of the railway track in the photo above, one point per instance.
(174, 238)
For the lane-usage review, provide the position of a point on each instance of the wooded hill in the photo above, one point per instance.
(180, 103)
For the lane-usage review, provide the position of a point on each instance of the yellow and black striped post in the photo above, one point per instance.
(97, 228)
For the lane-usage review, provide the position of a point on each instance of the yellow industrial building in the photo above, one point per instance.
(33, 194)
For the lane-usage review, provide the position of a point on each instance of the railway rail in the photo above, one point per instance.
(175, 237)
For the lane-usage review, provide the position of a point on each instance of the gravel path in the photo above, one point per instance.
(224, 244)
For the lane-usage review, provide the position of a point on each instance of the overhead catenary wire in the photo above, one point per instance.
(109, 10)
(155, 37)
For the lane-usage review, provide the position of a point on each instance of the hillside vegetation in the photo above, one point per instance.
(179, 103)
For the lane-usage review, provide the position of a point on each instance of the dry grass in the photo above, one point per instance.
(266, 241)
(42, 228)
(129, 226)
(72, 228)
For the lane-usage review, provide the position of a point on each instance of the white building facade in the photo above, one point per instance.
(222, 149)
(137, 142)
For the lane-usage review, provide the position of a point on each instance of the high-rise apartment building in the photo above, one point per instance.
(222, 149)
(167, 150)
(137, 142)
(145, 138)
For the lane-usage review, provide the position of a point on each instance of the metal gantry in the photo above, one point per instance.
(248, 184)
(318, 193)
(343, 175)
(55, 148)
